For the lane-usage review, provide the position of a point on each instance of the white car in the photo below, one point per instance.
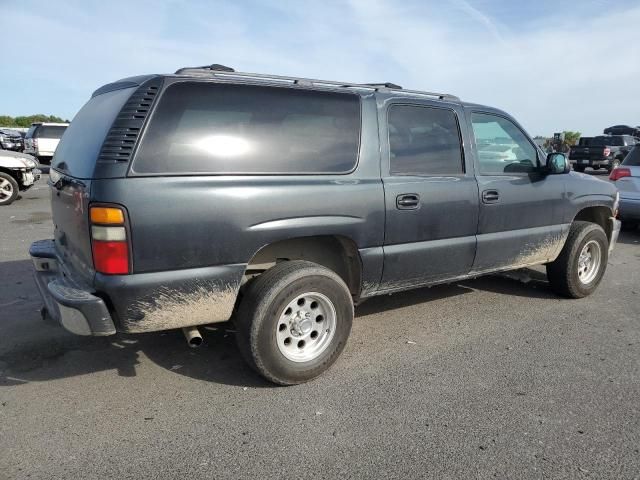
(18, 172)
(42, 139)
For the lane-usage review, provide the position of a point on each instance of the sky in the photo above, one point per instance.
(553, 64)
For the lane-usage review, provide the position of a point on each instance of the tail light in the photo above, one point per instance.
(618, 173)
(607, 152)
(109, 241)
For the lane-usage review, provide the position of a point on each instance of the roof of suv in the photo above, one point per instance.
(223, 73)
(226, 73)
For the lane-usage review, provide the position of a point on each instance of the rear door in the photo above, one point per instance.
(72, 172)
(520, 207)
(431, 196)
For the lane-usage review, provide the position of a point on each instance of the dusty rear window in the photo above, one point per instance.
(80, 146)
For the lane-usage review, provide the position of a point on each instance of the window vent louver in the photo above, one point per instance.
(123, 135)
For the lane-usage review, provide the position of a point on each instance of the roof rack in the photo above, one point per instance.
(217, 70)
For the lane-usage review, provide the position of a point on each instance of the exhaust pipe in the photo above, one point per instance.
(192, 334)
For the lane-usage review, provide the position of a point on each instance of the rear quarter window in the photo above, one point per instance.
(210, 128)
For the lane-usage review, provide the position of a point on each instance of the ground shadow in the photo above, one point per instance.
(36, 351)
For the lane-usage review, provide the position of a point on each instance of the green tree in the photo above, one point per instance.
(571, 138)
(27, 120)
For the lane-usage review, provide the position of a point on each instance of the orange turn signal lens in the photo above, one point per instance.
(106, 215)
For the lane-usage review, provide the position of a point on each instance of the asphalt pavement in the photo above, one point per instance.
(490, 378)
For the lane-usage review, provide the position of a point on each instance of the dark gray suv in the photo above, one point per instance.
(280, 203)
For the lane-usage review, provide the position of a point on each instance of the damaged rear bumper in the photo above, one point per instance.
(77, 310)
(142, 302)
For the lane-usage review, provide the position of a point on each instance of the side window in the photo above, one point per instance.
(244, 129)
(424, 141)
(501, 146)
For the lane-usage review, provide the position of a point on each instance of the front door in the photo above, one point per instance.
(520, 220)
(431, 196)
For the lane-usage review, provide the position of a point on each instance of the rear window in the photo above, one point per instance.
(585, 141)
(633, 158)
(79, 148)
(607, 142)
(31, 131)
(50, 131)
(244, 129)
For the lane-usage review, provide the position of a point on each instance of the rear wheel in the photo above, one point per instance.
(8, 189)
(294, 321)
(579, 268)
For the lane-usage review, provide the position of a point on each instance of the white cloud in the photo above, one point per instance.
(575, 73)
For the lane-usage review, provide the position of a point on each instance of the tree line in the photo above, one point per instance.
(27, 120)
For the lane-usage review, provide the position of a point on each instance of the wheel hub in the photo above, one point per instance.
(301, 324)
(306, 327)
(589, 262)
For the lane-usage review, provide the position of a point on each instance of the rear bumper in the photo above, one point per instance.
(143, 302)
(77, 310)
(629, 209)
(588, 162)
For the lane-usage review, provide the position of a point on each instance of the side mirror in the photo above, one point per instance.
(558, 163)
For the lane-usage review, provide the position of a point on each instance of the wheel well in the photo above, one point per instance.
(337, 253)
(598, 215)
(8, 171)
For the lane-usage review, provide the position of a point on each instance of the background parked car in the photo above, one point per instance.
(11, 140)
(603, 151)
(627, 179)
(42, 140)
(622, 130)
(18, 173)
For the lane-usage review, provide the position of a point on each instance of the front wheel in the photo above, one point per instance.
(8, 189)
(579, 268)
(294, 321)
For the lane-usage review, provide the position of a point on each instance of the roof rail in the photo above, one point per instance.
(385, 85)
(213, 67)
(217, 70)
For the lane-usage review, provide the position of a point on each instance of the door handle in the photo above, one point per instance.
(490, 196)
(407, 201)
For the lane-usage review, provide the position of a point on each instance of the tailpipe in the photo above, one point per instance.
(192, 334)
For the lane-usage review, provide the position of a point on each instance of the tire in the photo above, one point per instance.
(563, 272)
(8, 189)
(262, 314)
